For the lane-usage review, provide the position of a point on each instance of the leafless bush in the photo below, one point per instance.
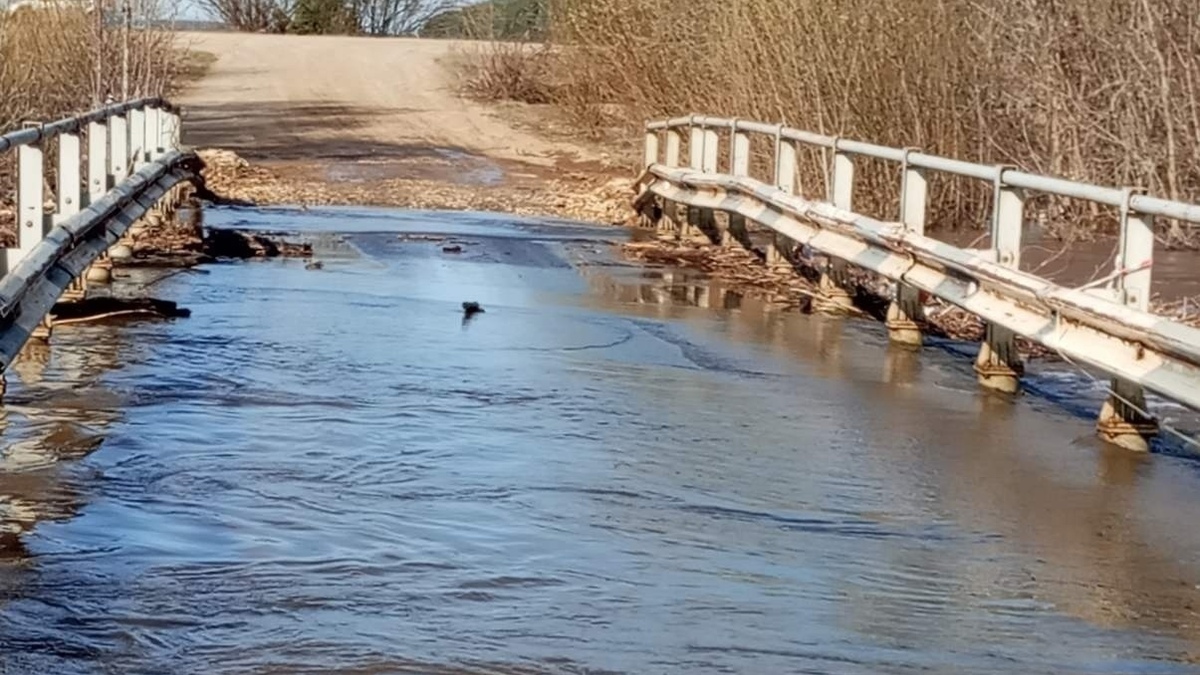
(1105, 91)
(55, 61)
(510, 71)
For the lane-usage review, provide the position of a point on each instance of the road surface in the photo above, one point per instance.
(286, 97)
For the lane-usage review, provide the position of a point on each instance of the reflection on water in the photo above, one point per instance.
(607, 471)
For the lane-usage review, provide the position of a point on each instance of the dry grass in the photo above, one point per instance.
(1104, 91)
(48, 70)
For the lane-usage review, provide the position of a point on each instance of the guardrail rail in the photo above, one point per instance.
(1109, 328)
(132, 157)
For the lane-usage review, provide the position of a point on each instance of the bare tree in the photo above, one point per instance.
(398, 17)
(251, 15)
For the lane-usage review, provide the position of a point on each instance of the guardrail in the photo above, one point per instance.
(133, 160)
(1109, 328)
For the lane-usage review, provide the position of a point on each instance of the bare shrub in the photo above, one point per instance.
(58, 60)
(1104, 91)
(510, 71)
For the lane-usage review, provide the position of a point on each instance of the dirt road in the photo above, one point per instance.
(285, 97)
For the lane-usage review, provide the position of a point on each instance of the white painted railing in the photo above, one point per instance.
(133, 160)
(1109, 328)
(120, 140)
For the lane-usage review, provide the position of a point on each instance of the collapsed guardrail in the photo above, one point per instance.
(1107, 328)
(133, 160)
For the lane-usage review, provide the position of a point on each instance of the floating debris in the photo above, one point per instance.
(452, 248)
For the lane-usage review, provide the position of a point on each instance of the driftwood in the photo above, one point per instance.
(103, 308)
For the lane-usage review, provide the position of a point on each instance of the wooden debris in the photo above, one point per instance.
(105, 308)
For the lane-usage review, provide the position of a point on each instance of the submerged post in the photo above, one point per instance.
(998, 365)
(906, 306)
(1124, 418)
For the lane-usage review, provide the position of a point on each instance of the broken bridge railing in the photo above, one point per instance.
(1109, 328)
(112, 167)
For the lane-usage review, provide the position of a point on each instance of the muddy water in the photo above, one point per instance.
(610, 470)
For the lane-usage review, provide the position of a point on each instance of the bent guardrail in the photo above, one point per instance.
(133, 159)
(1107, 328)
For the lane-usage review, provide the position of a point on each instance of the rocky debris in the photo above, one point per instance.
(222, 243)
(452, 248)
(314, 265)
(106, 308)
(574, 196)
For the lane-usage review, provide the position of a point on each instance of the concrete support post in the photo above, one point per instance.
(834, 298)
(118, 150)
(999, 365)
(1124, 418)
(97, 161)
(30, 197)
(739, 165)
(137, 139)
(906, 307)
(650, 151)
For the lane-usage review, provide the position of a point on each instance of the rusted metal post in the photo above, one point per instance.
(906, 306)
(1124, 418)
(998, 365)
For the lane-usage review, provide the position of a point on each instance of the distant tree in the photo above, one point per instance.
(398, 17)
(249, 15)
(323, 17)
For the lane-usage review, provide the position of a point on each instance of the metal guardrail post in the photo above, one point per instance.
(154, 132)
(779, 248)
(650, 151)
(97, 173)
(674, 145)
(137, 139)
(1124, 420)
(739, 163)
(118, 150)
(691, 220)
(835, 299)
(69, 180)
(70, 195)
(998, 365)
(30, 196)
(906, 306)
(673, 151)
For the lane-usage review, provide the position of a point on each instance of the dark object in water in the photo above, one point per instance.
(470, 308)
(237, 244)
(452, 248)
(100, 308)
(314, 265)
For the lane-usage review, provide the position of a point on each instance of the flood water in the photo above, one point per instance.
(610, 470)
